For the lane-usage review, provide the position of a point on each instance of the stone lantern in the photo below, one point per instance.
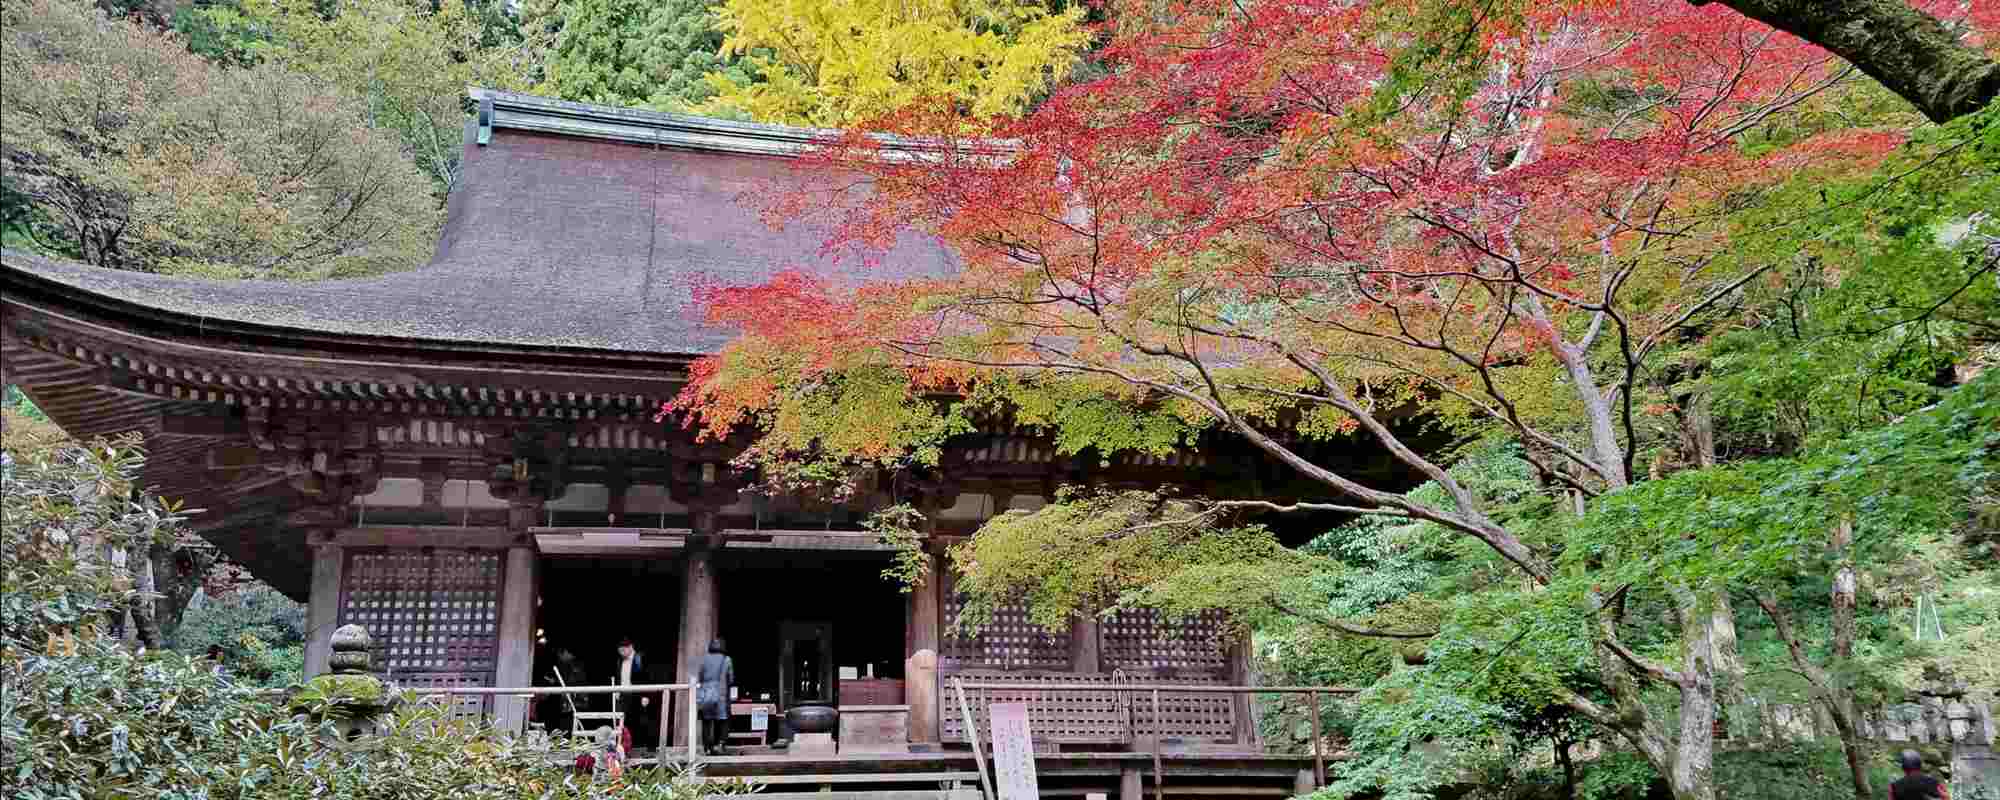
(349, 697)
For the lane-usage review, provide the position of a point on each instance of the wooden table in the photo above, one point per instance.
(749, 710)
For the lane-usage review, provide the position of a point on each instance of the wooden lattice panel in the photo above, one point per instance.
(1195, 717)
(427, 613)
(1143, 639)
(465, 706)
(1009, 642)
(1094, 717)
(1067, 717)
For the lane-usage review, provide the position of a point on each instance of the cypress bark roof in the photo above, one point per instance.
(574, 226)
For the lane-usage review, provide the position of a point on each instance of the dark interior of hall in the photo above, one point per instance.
(835, 609)
(791, 621)
(589, 603)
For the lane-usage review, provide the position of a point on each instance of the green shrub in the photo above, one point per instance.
(105, 722)
(260, 630)
(81, 716)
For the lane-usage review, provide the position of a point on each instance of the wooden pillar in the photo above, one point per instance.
(926, 622)
(323, 604)
(920, 678)
(1085, 645)
(1240, 674)
(514, 664)
(699, 598)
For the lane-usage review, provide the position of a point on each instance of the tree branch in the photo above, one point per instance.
(1348, 627)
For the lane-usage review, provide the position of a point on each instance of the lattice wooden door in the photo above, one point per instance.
(434, 616)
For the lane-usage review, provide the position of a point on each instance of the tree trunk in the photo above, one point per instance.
(1697, 430)
(1686, 756)
(1728, 659)
(1908, 51)
(1843, 591)
(1569, 767)
(178, 574)
(1838, 703)
(1690, 771)
(145, 591)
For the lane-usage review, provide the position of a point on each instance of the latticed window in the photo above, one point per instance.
(1143, 639)
(433, 615)
(1010, 641)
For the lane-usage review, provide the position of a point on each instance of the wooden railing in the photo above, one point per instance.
(665, 690)
(1025, 692)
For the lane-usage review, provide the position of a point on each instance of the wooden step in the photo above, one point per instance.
(882, 777)
(911, 794)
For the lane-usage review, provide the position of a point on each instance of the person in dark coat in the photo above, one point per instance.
(716, 675)
(1915, 785)
(639, 712)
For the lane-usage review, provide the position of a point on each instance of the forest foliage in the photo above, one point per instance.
(122, 149)
(1707, 313)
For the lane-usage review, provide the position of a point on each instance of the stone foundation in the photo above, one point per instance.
(875, 729)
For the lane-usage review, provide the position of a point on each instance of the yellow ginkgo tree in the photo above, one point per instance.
(836, 63)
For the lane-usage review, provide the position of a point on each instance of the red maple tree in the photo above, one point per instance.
(1274, 203)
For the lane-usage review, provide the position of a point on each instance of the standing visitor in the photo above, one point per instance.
(1916, 785)
(717, 674)
(631, 672)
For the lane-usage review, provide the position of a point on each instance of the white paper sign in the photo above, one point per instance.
(1013, 752)
(760, 719)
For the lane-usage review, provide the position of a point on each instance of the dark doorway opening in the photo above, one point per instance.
(587, 605)
(836, 612)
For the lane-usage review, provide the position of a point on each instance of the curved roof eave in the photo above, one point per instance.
(149, 306)
(575, 233)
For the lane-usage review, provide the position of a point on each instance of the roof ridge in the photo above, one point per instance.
(499, 109)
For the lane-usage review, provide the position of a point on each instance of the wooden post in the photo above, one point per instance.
(515, 662)
(972, 733)
(666, 724)
(693, 728)
(1159, 732)
(323, 605)
(920, 688)
(1319, 760)
(920, 692)
(698, 614)
(1085, 645)
(1243, 704)
(1131, 785)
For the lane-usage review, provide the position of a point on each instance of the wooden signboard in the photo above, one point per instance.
(1013, 752)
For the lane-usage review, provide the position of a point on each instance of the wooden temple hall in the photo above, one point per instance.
(463, 458)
